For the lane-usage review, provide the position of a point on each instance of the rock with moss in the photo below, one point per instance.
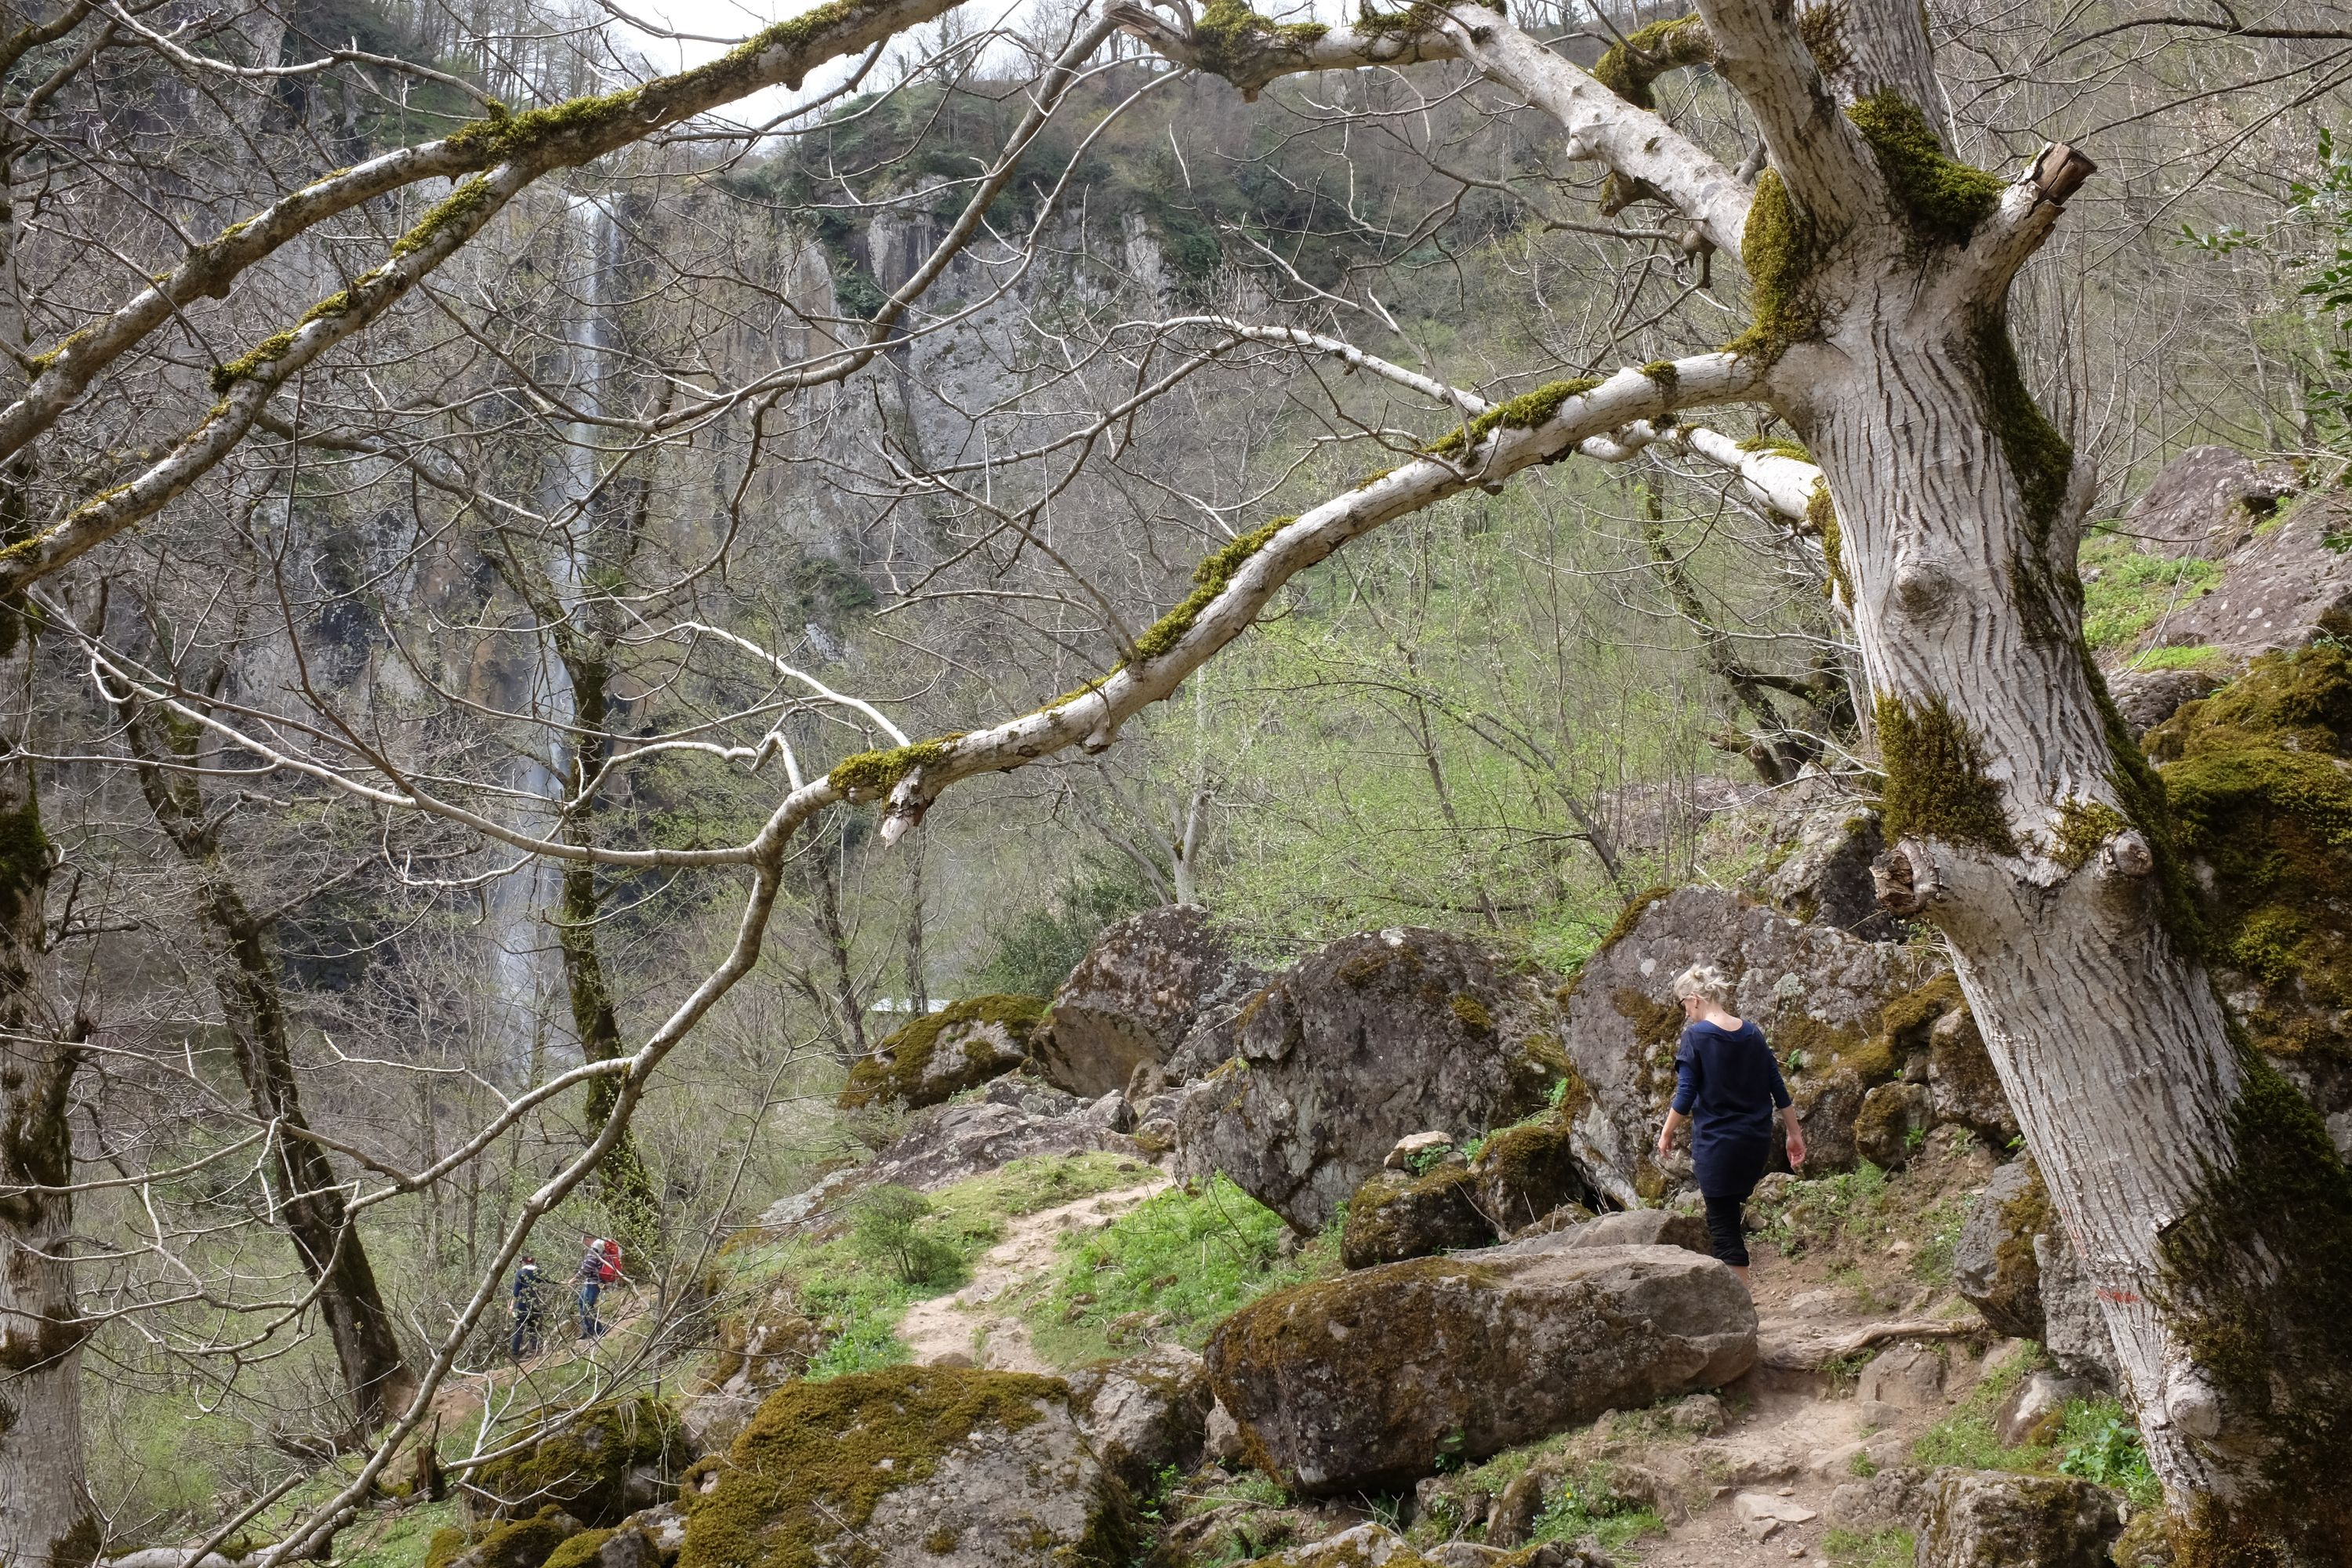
(2207, 501)
(759, 1350)
(1893, 1119)
(1135, 996)
(1822, 997)
(1371, 1379)
(1964, 1089)
(1016, 1117)
(1824, 877)
(1374, 1036)
(911, 1467)
(1531, 1170)
(2014, 1264)
(525, 1543)
(2280, 589)
(1145, 1413)
(599, 1464)
(1396, 1215)
(2259, 778)
(962, 1045)
(2146, 698)
(1993, 1519)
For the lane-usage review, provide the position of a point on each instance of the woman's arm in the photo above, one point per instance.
(1686, 1095)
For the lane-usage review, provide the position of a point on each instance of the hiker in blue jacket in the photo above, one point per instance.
(1727, 1087)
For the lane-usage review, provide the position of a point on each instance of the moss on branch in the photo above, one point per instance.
(1782, 251)
(1523, 412)
(1939, 199)
(871, 773)
(1630, 66)
(1211, 578)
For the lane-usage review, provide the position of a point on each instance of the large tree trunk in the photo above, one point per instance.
(2026, 827)
(309, 1201)
(46, 1521)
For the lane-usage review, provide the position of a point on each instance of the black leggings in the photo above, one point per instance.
(1723, 1225)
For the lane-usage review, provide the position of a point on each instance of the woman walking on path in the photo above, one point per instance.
(1726, 1086)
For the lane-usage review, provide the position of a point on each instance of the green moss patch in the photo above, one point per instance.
(1937, 788)
(1782, 250)
(818, 1457)
(1630, 66)
(1523, 412)
(868, 774)
(1211, 577)
(579, 1467)
(1941, 200)
(901, 1067)
(1228, 37)
(2260, 796)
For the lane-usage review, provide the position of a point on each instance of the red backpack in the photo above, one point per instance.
(611, 1269)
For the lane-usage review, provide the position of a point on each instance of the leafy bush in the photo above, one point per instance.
(1035, 951)
(888, 1231)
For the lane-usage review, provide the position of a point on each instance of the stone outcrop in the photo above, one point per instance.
(1138, 993)
(1843, 1014)
(522, 1542)
(1991, 1519)
(2278, 590)
(911, 1467)
(759, 1351)
(1825, 877)
(1373, 1037)
(1893, 1118)
(1145, 1413)
(2207, 501)
(596, 1465)
(1520, 1175)
(941, 1054)
(2015, 1266)
(1367, 1381)
(1396, 1216)
(1016, 1118)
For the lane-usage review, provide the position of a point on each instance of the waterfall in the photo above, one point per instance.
(526, 976)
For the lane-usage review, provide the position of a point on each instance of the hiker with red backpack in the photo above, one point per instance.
(600, 1268)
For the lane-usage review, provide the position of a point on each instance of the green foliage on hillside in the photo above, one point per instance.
(2125, 590)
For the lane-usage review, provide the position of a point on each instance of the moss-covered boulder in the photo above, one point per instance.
(525, 1543)
(1396, 1215)
(1991, 1519)
(760, 1348)
(2260, 777)
(911, 1467)
(963, 1044)
(1993, 1262)
(1533, 1169)
(1144, 985)
(599, 1465)
(1373, 1037)
(1893, 1119)
(1370, 1381)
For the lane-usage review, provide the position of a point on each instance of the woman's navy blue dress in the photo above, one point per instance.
(1728, 1084)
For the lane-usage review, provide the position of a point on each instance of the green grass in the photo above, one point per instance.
(397, 1539)
(1190, 1258)
(2095, 1440)
(1882, 1549)
(856, 1285)
(2135, 590)
(1587, 1506)
(1817, 1212)
(2204, 656)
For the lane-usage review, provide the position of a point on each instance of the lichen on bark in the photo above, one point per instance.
(1936, 786)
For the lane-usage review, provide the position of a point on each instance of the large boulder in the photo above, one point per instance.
(1136, 994)
(943, 1053)
(1397, 1215)
(1373, 1037)
(759, 1349)
(1825, 878)
(596, 1465)
(1370, 1381)
(1964, 1089)
(524, 1543)
(1145, 1412)
(2278, 590)
(1822, 998)
(2207, 501)
(1991, 1519)
(1016, 1118)
(911, 1467)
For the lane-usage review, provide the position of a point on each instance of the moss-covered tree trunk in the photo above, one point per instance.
(309, 1198)
(2025, 825)
(46, 1519)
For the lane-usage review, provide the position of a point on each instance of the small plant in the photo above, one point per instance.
(889, 1230)
(1862, 1465)
(2100, 1443)
(1880, 1549)
(1421, 1161)
(1588, 1505)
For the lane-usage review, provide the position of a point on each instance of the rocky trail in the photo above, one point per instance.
(963, 1329)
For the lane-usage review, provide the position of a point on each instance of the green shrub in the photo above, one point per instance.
(2099, 1442)
(1587, 1505)
(889, 1230)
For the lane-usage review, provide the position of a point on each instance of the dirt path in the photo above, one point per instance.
(966, 1324)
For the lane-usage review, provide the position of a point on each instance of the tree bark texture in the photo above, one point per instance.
(46, 1518)
(309, 1199)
